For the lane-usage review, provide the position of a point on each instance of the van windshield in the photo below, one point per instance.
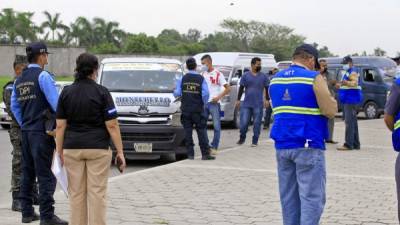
(140, 77)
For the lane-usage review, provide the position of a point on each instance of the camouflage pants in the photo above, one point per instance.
(15, 138)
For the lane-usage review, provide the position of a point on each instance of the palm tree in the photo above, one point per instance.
(7, 24)
(25, 28)
(53, 23)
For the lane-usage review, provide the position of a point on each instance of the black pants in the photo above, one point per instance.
(37, 156)
(197, 121)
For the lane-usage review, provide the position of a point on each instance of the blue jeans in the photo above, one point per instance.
(302, 179)
(215, 110)
(245, 115)
(351, 133)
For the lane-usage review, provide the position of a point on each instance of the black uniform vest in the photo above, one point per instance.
(31, 99)
(192, 101)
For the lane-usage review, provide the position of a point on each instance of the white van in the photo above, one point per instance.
(149, 117)
(233, 65)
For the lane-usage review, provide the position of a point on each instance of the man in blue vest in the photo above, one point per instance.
(392, 120)
(34, 96)
(350, 96)
(301, 104)
(193, 90)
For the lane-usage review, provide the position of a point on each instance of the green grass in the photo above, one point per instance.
(5, 79)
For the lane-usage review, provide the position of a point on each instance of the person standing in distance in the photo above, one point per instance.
(218, 88)
(350, 95)
(302, 104)
(392, 121)
(331, 86)
(253, 83)
(193, 90)
(35, 95)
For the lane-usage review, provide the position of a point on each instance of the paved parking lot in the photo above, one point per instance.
(240, 187)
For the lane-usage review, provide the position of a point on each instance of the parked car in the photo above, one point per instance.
(148, 113)
(376, 75)
(5, 119)
(233, 65)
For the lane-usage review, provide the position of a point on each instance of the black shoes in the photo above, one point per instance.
(16, 203)
(208, 157)
(54, 221)
(331, 142)
(240, 142)
(30, 219)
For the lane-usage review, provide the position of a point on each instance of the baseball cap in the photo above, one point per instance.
(347, 59)
(310, 50)
(36, 48)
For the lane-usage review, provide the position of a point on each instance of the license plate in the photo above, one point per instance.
(143, 147)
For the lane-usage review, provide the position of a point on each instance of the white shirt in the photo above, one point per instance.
(215, 81)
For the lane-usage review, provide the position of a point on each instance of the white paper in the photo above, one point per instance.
(60, 173)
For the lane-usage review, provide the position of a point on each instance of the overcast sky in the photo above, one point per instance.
(345, 26)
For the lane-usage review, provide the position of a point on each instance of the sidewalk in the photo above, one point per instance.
(240, 187)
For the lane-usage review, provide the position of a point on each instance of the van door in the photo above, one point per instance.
(374, 90)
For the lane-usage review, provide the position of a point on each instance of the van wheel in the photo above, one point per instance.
(5, 126)
(371, 110)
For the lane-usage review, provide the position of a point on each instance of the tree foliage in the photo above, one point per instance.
(101, 36)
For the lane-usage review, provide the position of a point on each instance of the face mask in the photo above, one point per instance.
(258, 69)
(346, 67)
(204, 68)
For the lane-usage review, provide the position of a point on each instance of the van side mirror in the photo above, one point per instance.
(234, 81)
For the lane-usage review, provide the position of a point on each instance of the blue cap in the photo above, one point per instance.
(347, 59)
(36, 48)
(310, 50)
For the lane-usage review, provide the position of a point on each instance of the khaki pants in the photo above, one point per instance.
(87, 172)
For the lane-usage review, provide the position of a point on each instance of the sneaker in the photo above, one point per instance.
(266, 127)
(54, 221)
(208, 157)
(344, 148)
(331, 142)
(240, 142)
(254, 145)
(213, 151)
(29, 219)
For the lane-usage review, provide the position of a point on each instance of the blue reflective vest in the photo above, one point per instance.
(298, 122)
(350, 95)
(396, 130)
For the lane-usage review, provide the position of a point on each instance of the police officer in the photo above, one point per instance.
(392, 120)
(15, 138)
(301, 104)
(350, 96)
(193, 90)
(35, 95)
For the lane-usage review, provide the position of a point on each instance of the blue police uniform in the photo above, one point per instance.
(299, 131)
(396, 130)
(34, 94)
(350, 95)
(193, 90)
